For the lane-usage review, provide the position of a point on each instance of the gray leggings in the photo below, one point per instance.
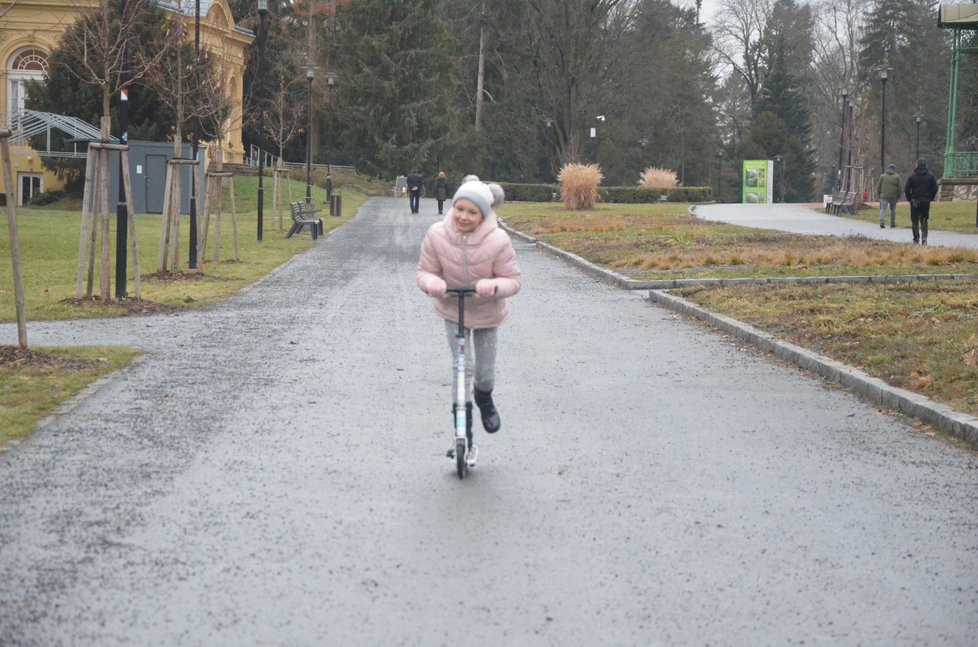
(483, 342)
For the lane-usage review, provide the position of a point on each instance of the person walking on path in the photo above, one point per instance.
(889, 189)
(920, 191)
(441, 190)
(468, 248)
(414, 183)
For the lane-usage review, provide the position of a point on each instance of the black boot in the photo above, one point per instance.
(490, 417)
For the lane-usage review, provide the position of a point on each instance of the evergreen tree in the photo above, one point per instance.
(783, 96)
(662, 90)
(903, 35)
(395, 58)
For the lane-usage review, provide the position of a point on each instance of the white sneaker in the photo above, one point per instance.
(473, 456)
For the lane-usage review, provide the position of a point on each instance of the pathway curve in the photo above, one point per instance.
(801, 219)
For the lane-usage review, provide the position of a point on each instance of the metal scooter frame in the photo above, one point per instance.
(462, 440)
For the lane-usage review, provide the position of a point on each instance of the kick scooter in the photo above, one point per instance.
(463, 438)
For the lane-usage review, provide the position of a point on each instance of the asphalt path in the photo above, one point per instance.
(802, 219)
(272, 472)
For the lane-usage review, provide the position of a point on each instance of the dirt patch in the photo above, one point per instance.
(130, 307)
(17, 357)
(175, 277)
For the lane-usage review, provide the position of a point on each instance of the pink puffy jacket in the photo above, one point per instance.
(461, 260)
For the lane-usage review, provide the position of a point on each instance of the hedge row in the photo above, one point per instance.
(611, 194)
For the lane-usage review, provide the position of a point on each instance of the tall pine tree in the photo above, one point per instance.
(395, 59)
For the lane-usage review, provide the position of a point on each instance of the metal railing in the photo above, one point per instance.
(271, 161)
(959, 164)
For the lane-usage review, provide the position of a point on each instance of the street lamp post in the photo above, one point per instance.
(309, 74)
(719, 173)
(884, 71)
(262, 12)
(779, 179)
(842, 139)
(194, 149)
(917, 118)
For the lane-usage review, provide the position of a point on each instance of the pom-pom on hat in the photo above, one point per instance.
(498, 195)
(478, 193)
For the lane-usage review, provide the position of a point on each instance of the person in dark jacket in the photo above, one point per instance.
(414, 183)
(920, 190)
(441, 190)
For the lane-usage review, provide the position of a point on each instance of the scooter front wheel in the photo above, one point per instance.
(460, 464)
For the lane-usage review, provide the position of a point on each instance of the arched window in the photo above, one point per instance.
(29, 64)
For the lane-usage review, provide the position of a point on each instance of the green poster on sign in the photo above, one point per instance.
(758, 187)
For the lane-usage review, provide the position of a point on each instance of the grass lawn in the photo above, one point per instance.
(49, 253)
(958, 217)
(35, 381)
(922, 336)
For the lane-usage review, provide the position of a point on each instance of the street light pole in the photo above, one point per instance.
(842, 140)
(779, 179)
(719, 173)
(122, 208)
(884, 73)
(309, 74)
(262, 12)
(918, 118)
(331, 85)
(194, 149)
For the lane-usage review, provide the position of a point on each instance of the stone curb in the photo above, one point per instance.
(912, 404)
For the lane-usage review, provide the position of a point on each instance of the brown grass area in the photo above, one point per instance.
(920, 335)
(662, 245)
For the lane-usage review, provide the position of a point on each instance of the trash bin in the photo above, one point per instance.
(336, 205)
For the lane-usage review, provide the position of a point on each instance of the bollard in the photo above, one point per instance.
(336, 205)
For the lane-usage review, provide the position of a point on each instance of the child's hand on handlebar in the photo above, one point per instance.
(485, 288)
(437, 288)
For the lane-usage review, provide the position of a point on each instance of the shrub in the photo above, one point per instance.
(657, 178)
(529, 192)
(48, 197)
(579, 185)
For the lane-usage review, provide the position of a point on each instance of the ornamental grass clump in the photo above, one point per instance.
(579, 185)
(657, 178)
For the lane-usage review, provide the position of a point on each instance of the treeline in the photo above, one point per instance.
(514, 89)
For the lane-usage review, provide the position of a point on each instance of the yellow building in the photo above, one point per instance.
(31, 29)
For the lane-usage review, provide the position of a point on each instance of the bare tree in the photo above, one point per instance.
(739, 34)
(99, 48)
(571, 42)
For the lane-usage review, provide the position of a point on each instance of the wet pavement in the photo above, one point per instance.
(802, 219)
(272, 472)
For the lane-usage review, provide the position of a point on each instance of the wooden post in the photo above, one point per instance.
(14, 239)
(86, 197)
(93, 222)
(163, 250)
(95, 215)
(234, 219)
(105, 290)
(215, 206)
